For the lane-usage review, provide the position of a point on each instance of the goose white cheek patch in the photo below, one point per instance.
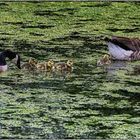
(15, 59)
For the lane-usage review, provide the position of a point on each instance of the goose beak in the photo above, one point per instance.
(18, 62)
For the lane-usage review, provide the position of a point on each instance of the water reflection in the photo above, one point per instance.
(136, 70)
(115, 66)
(58, 105)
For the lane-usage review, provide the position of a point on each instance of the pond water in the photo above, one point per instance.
(90, 102)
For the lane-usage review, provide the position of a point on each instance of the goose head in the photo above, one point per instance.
(14, 57)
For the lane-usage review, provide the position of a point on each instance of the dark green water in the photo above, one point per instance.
(91, 102)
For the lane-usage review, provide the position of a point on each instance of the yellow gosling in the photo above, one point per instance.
(105, 60)
(30, 65)
(62, 66)
(41, 66)
(45, 66)
(33, 61)
(50, 65)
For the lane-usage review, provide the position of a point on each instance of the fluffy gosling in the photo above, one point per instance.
(62, 66)
(30, 65)
(105, 60)
(45, 66)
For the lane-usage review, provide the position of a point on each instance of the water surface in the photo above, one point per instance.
(91, 102)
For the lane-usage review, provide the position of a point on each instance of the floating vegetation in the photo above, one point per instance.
(90, 102)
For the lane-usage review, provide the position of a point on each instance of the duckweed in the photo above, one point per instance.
(91, 102)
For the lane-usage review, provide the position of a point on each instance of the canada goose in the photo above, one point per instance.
(12, 56)
(123, 48)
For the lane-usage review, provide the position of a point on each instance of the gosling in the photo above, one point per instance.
(62, 66)
(105, 60)
(45, 66)
(30, 65)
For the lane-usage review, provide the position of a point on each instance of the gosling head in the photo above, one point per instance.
(33, 61)
(70, 63)
(50, 63)
(12, 56)
(105, 60)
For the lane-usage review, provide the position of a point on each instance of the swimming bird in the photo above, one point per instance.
(45, 66)
(105, 60)
(62, 66)
(12, 56)
(123, 48)
(30, 65)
